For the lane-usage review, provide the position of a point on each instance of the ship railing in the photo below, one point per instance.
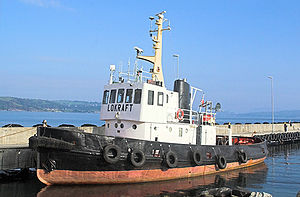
(135, 75)
(190, 116)
(226, 132)
(207, 118)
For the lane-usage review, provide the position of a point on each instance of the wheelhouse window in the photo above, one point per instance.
(105, 97)
(160, 98)
(120, 96)
(137, 96)
(128, 98)
(112, 98)
(150, 97)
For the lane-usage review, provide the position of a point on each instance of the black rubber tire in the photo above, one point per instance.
(66, 125)
(137, 158)
(197, 158)
(171, 159)
(276, 137)
(242, 156)
(273, 137)
(88, 125)
(221, 162)
(12, 125)
(111, 153)
(285, 136)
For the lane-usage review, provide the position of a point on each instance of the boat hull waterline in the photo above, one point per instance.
(134, 176)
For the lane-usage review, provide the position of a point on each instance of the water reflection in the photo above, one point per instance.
(182, 187)
(285, 149)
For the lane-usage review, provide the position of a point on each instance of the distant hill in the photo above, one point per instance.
(20, 104)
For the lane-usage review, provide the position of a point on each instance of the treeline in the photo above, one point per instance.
(20, 104)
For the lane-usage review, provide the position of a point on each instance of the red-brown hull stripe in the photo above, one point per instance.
(133, 176)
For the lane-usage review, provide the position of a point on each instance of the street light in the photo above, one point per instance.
(177, 56)
(272, 100)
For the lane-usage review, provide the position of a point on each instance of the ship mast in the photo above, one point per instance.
(157, 74)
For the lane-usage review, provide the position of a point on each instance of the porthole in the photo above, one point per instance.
(134, 126)
(107, 125)
(186, 130)
(122, 125)
(116, 125)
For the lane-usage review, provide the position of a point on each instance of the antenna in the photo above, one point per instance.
(151, 18)
(120, 70)
(112, 69)
(128, 71)
(177, 56)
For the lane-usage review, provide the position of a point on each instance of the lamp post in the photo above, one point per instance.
(177, 56)
(272, 100)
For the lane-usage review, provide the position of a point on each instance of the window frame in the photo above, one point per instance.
(130, 96)
(160, 95)
(139, 96)
(112, 97)
(123, 94)
(105, 98)
(152, 98)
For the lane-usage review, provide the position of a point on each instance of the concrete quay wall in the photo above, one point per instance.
(20, 135)
(256, 129)
(11, 136)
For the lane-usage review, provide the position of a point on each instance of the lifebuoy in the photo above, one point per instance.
(242, 156)
(171, 159)
(137, 158)
(179, 114)
(221, 162)
(197, 158)
(111, 153)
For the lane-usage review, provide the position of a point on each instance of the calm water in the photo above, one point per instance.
(28, 119)
(279, 175)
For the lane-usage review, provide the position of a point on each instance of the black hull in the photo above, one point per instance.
(65, 150)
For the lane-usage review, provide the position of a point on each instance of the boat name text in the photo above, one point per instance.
(119, 107)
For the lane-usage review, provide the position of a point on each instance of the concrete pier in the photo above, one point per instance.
(257, 129)
(19, 136)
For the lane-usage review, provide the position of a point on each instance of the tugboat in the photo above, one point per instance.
(151, 134)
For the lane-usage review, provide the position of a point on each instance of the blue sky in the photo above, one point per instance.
(62, 49)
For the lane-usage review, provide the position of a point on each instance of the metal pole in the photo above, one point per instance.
(177, 56)
(272, 101)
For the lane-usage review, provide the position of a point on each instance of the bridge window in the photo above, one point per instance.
(120, 95)
(105, 97)
(137, 96)
(160, 98)
(128, 98)
(150, 97)
(112, 98)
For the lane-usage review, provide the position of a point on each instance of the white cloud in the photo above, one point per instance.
(47, 4)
